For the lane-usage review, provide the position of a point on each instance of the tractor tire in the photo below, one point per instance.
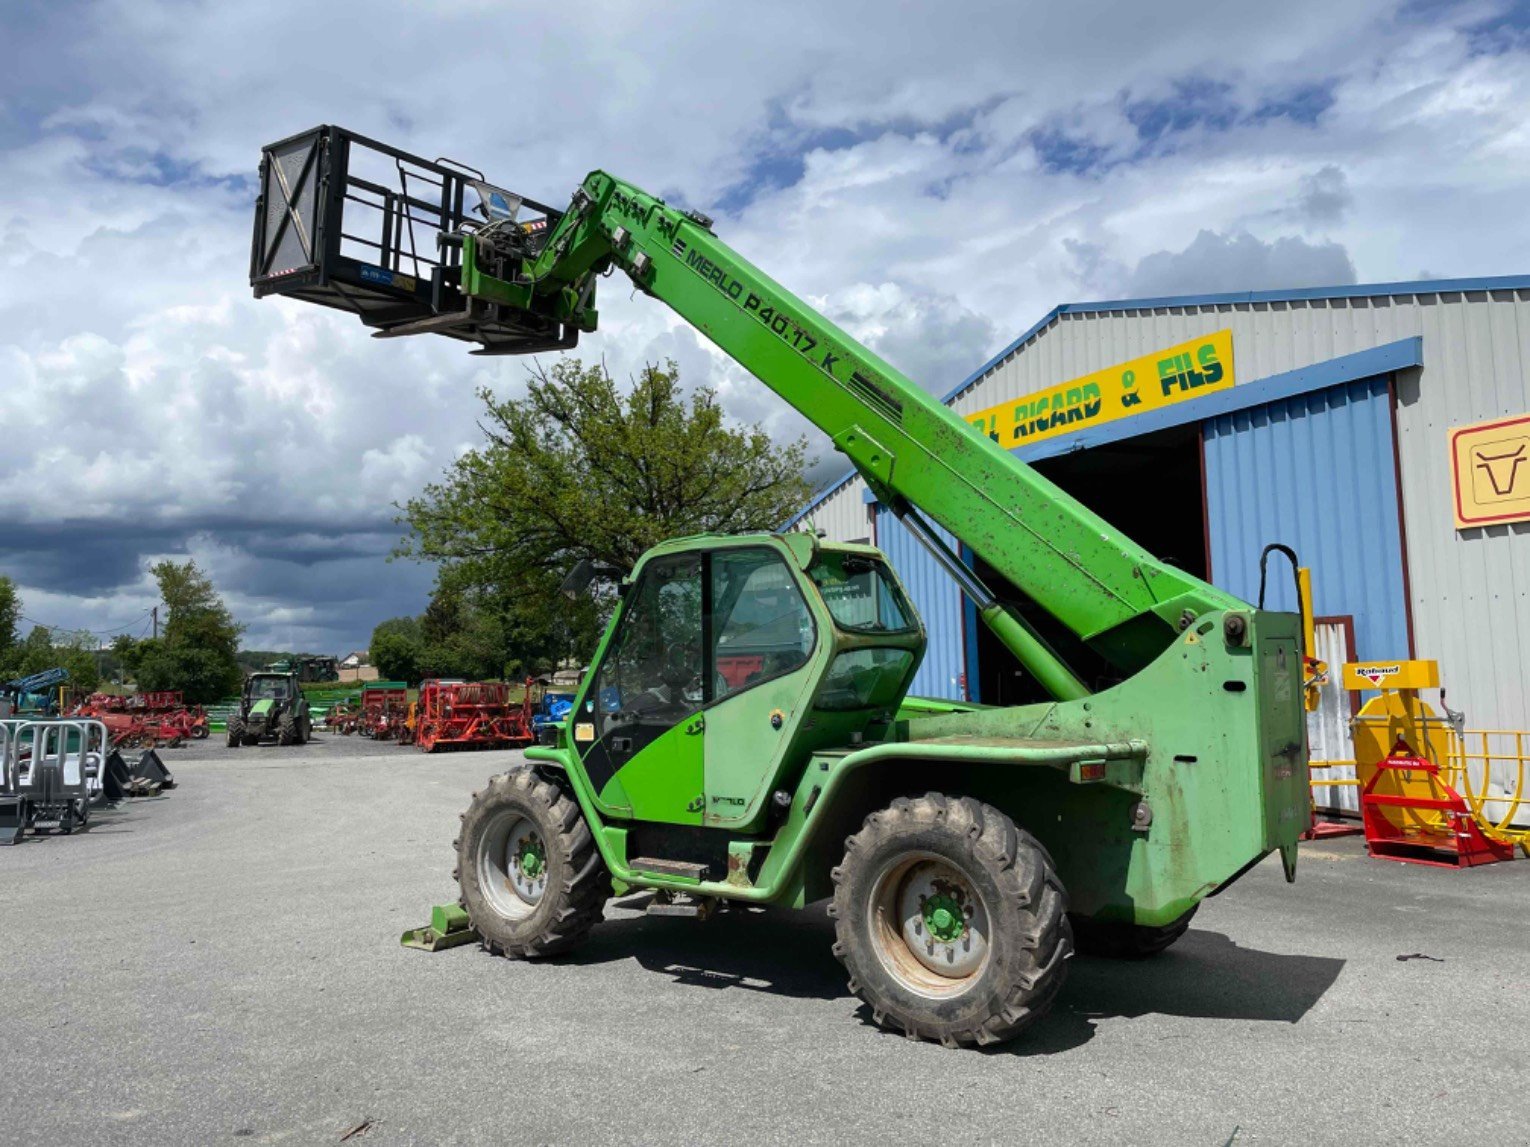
(951, 921)
(1128, 941)
(530, 876)
(235, 732)
(287, 729)
(199, 732)
(305, 730)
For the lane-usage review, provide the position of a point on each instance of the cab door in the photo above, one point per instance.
(645, 703)
(761, 638)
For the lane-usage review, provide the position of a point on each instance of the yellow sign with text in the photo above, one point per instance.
(1201, 366)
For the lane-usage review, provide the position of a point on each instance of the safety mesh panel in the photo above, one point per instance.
(287, 243)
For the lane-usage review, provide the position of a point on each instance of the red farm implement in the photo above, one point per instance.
(472, 715)
(146, 720)
(343, 717)
(384, 709)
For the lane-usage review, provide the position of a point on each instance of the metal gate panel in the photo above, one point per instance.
(1317, 472)
(1328, 737)
(938, 601)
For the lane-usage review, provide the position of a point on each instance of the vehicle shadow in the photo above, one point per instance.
(1206, 975)
(773, 950)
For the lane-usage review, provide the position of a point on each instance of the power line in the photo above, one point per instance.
(93, 632)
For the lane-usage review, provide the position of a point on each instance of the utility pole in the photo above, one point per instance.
(155, 611)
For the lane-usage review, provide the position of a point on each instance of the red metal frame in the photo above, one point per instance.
(472, 715)
(1464, 843)
(383, 712)
(146, 719)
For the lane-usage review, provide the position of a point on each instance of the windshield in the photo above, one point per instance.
(268, 688)
(861, 593)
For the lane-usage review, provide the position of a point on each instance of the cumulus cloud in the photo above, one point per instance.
(971, 169)
(1240, 262)
(1324, 197)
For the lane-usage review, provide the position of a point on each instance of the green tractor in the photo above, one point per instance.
(271, 708)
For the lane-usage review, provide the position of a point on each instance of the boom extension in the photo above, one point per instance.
(513, 287)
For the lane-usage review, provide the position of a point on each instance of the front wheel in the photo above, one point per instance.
(531, 878)
(235, 732)
(951, 921)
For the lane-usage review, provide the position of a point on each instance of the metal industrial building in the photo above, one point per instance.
(1331, 428)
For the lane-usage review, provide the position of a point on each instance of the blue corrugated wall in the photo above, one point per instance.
(1315, 472)
(938, 601)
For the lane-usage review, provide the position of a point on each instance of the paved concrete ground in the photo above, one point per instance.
(222, 965)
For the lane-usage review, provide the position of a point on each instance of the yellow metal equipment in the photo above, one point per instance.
(1314, 672)
(1427, 784)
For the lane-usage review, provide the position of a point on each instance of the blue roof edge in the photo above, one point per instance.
(1296, 294)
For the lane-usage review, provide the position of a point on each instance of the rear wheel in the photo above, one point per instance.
(1128, 941)
(951, 921)
(235, 732)
(531, 878)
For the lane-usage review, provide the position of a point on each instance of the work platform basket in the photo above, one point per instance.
(350, 223)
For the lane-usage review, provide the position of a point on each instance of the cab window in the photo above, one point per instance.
(655, 673)
(761, 626)
(861, 593)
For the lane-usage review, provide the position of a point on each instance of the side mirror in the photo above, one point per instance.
(578, 579)
(586, 571)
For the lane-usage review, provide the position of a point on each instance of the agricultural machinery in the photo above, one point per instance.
(343, 716)
(145, 720)
(549, 706)
(35, 693)
(309, 668)
(471, 715)
(271, 708)
(964, 849)
(384, 710)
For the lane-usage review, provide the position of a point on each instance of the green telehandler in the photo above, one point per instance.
(743, 733)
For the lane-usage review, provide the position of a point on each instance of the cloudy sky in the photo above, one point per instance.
(934, 175)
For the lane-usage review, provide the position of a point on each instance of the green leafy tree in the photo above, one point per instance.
(580, 468)
(198, 653)
(395, 649)
(10, 614)
(45, 648)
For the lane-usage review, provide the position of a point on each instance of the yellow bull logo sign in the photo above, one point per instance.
(1491, 465)
(1188, 370)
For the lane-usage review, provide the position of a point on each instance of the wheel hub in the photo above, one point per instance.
(530, 857)
(944, 918)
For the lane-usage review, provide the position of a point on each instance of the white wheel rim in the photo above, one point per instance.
(929, 925)
(512, 865)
